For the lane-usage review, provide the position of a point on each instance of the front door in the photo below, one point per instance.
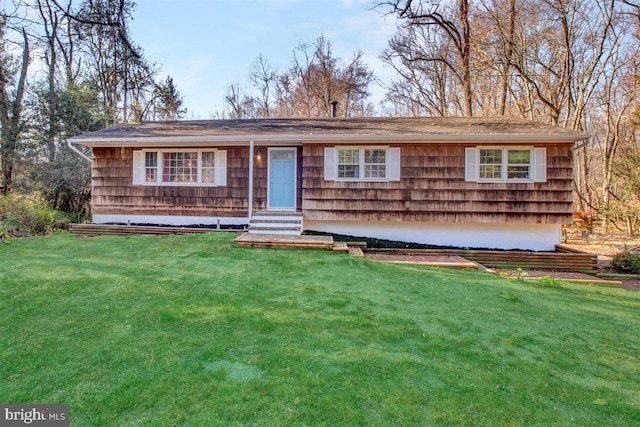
(282, 178)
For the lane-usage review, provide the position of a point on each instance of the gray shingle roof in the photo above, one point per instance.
(304, 129)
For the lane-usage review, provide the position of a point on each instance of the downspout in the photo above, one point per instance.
(78, 152)
(250, 179)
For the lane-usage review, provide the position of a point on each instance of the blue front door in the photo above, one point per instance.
(282, 178)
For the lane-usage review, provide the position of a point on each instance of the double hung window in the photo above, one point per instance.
(505, 164)
(363, 164)
(180, 167)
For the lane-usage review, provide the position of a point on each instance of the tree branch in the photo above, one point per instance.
(122, 33)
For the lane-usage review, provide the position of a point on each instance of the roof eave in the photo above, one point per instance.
(176, 141)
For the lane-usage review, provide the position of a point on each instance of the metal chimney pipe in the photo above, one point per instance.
(334, 108)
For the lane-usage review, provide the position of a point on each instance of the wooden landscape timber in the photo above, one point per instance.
(248, 240)
(563, 259)
(91, 230)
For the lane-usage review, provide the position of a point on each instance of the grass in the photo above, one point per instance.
(191, 330)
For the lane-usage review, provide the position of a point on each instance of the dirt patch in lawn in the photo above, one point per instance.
(602, 244)
(605, 246)
(430, 260)
(631, 285)
(562, 275)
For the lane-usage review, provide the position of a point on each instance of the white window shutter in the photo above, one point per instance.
(539, 165)
(138, 167)
(330, 169)
(394, 164)
(470, 164)
(221, 167)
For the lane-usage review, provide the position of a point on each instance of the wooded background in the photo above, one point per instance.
(565, 62)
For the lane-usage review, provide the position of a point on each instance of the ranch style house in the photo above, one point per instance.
(467, 182)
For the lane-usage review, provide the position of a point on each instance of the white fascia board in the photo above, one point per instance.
(289, 140)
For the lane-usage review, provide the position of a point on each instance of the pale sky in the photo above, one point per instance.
(207, 44)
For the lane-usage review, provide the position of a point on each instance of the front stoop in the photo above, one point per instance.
(276, 222)
(260, 240)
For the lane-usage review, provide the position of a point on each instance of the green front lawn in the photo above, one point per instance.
(191, 330)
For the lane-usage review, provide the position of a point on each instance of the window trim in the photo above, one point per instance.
(160, 168)
(361, 163)
(505, 164)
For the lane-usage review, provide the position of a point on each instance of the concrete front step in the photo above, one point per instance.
(275, 221)
(269, 226)
(265, 218)
(293, 231)
(283, 222)
(277, 213)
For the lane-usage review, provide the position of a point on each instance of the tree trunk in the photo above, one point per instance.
(10, 117)
(466, 57)
(51, 98)
(508, 54)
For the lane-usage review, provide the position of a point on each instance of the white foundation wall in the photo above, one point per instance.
(534, 237)
(168, 220)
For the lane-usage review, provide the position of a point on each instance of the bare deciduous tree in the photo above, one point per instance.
(422, 85)
(263, 78)
(314, 80)
(556, 61)
(13, 80)
(239, 103)
(453, 23)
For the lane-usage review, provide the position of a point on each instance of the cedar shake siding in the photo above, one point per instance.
(432, 188)
(438, 170)
(113, 191)
(466, 181)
